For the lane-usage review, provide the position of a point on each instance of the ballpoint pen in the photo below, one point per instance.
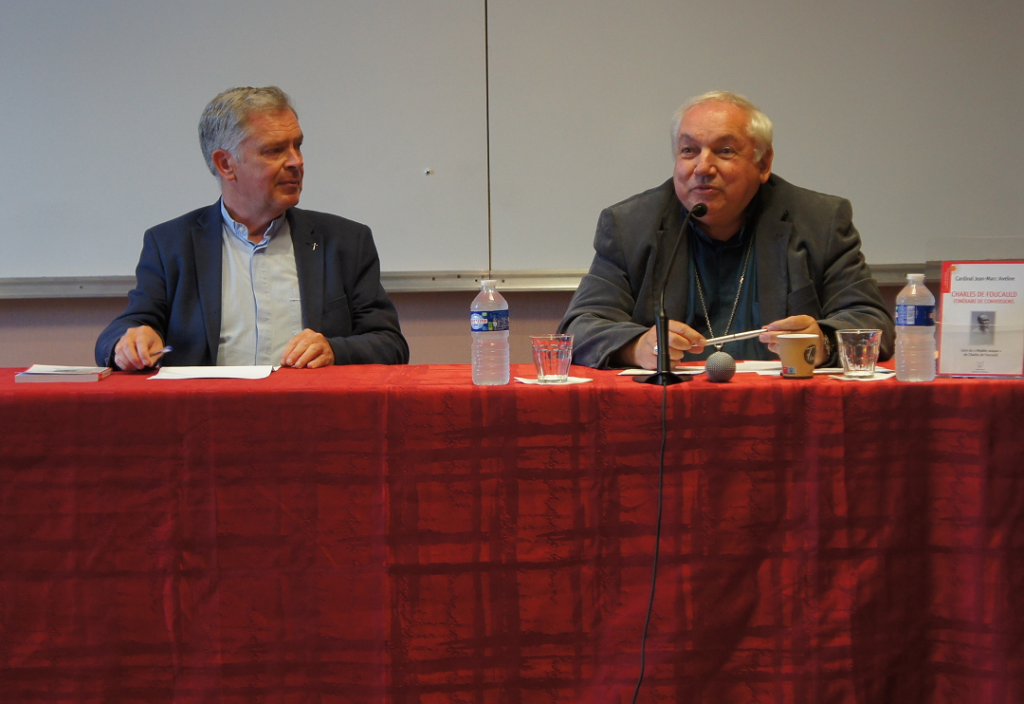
(737, 336)
(160, 354)
(729, 338)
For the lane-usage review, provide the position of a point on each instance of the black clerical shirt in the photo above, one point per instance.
(719, 264)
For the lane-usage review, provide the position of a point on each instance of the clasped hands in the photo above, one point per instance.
(139, 348)
(682, 338)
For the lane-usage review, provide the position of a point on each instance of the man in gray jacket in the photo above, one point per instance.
(766, 254)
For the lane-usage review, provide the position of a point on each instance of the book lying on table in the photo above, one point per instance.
(51, 372)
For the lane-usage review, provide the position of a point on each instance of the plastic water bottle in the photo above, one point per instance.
(915, 331)
(488, 319)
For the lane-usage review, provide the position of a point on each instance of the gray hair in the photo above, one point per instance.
(225, 121)
(759, 128)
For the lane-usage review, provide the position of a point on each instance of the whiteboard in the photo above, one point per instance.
(531, 115)
(913, 110)
(101, 101)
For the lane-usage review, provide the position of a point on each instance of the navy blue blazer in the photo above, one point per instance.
(178, 290)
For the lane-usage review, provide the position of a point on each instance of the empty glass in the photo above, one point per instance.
(552, 355)
(858, 351)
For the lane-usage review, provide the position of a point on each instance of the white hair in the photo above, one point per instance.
(759, 128)
(225, 121)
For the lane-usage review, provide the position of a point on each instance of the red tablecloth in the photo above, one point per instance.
(396, 534)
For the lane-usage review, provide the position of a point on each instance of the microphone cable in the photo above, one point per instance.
(657, 540)
(699, 210)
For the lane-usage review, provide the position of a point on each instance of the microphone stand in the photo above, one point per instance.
(664, 376)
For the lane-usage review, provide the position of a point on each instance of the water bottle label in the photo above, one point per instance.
(488, 320)
(915, 315)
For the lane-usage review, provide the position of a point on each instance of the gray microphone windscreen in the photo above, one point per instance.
(720, 367)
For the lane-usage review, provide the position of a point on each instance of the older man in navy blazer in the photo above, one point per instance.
(252, 279)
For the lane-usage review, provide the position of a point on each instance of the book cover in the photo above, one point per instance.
(981, 319)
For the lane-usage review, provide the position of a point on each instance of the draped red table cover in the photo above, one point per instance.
(395, 534)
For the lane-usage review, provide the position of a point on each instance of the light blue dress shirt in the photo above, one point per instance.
(261, 309)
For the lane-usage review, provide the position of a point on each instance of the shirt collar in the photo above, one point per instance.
(242, 232)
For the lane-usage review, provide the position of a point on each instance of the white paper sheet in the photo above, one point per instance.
(251, 372)
(571, 380)
(879, 375)
(747, 366)
(688, 371)
(833, 372)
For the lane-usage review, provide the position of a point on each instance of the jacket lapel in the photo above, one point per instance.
(772, 245)
(309, 256)
(206, 242)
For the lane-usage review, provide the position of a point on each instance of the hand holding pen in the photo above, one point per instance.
(139, 348)
(730, 338)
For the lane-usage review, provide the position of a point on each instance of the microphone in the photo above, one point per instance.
(720, 367)
(664, 375)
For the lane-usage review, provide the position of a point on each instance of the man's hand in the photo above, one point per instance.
(308, 349)
(795, 324)
(681, 338)
(137, 349)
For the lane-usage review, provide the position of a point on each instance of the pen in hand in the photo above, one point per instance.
(159, 354)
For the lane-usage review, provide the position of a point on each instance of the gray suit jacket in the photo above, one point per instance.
(178, 290)
(808, 263)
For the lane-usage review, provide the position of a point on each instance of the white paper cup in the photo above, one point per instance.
(797, 351)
